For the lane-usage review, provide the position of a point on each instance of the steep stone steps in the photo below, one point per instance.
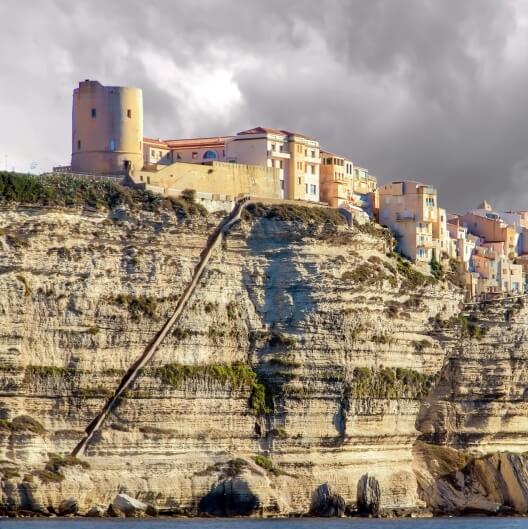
(212, 243)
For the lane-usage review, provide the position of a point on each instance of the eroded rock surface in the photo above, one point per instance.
(304, 344)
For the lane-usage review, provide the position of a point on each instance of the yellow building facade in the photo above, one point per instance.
(215, 178)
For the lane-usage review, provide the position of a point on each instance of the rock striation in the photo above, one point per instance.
(307, 365)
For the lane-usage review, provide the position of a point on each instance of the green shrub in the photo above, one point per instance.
(236, 376)
(390, 383)
(137, 306)
(49, 477)
(181, 334)
(231, 310)
(412, 278)
(48, 371)
(280, 433)
(294, 213)
(278, 339)
(93, 330)
(74, 191)
(264, 462)
(436, 268)
(56, 462)
(98, 392)
(421, 345)
(28, 424)
(284, 362)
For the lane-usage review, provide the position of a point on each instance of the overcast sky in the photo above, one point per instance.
(431, 90)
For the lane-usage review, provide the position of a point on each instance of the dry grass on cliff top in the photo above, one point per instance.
(71, 191)
(294, 213)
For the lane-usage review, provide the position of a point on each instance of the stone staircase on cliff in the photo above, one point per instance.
(130, 376)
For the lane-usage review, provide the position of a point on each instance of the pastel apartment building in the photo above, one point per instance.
(343, 183)
(410, 210)
(296, 157)
(494, 258)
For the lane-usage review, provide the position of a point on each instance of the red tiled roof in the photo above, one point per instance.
(262, 130)
(189, 143)
(267, 130)
(152, 141)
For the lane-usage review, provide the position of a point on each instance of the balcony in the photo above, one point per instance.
(426, 244)
(284, 155)
(404, 217)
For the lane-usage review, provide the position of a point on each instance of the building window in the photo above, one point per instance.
(313, 154)
(209, 155)
(94, 113)
(282, 184)
(281, 164)
(152, 152)
(78, 145)
(299, 180)
(129, 113)
(313, 189)
(306, 188)
(313, 169)
(194, 155)
(273, 147)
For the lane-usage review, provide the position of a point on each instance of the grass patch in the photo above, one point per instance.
(47, 476)
(264, 462)
(73, 191)
(33, 372)
(25, 423)
(284, 362)
(294, 213)
(421, 345)
(57, 462)
(231, 310)
(411, 277)
(236, 376)
(137, 306)
(94, 393)
(390, 383)
(278, 339)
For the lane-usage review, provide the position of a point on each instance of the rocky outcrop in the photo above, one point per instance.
(306, 359)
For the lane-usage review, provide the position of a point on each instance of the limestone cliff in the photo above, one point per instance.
(308, 361)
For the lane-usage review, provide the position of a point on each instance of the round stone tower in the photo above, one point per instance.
(107, 129)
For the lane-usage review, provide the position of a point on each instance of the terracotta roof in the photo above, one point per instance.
(262, 130)
(188, 143)
(289, 133)
(323, 153)
(267, 130)
(152, 141)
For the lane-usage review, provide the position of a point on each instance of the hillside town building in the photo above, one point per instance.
(487, 247)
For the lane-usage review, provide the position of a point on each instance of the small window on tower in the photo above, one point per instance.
(129, 113)
(78, 145)
(94, 113)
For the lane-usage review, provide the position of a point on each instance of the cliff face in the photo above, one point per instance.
(305, 357)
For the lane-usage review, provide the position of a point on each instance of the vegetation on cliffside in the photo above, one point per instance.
(236, 376)
(390, 383)
(72, 191)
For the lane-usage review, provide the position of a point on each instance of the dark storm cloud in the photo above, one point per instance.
(433, 90)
